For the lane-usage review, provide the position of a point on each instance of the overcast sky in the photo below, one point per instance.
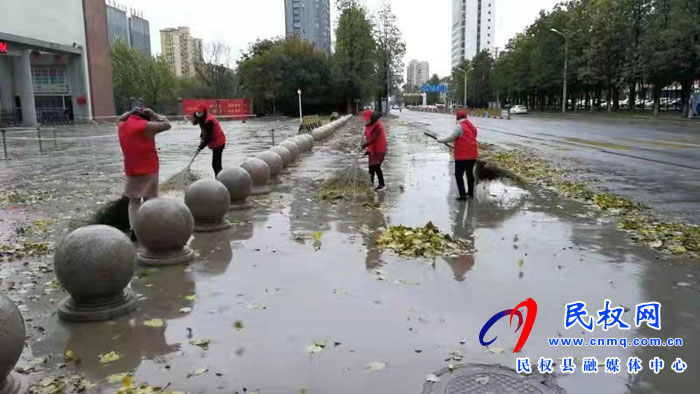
(425, 25)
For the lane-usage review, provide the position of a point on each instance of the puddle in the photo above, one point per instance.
(264, 293)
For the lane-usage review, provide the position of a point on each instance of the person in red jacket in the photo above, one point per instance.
(137, 131)
(211, 135)
(466, 151)
(374, 145)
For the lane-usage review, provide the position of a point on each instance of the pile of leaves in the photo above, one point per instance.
(180, 181)
(633, 217)
(14, 196)
(351, 183)
(23, 247)
(426, 241)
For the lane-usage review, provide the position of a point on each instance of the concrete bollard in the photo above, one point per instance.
(12, 333)
(259, 173)
(239, 185)
(208, 200)
(164, 226)
(95, 264)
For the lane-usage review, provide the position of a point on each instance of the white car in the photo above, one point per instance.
(518, 109)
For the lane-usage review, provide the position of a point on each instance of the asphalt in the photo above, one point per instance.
(264, 292)
(656, 163)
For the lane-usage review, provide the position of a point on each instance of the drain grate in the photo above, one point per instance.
(489, 379)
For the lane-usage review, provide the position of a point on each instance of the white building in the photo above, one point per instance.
(473, 28)
(55, 64)
(180, 50)
(418, 73)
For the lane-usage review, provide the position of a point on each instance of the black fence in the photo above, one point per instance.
(10, 117)
(53, 117)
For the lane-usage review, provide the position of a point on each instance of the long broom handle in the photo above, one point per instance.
(192, 161)
(435, 138)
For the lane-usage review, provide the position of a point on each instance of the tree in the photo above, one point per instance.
(390, 51)
(139, 76)
(214, 69)
(353, 65)
(433, 97)
(271, 72)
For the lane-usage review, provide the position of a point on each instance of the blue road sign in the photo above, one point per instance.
(433, 88)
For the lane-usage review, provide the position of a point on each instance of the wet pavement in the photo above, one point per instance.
(656, 163)
(261, 293)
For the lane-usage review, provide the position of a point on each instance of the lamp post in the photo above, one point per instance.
(566, 65)
(301, 115)
(466, 75)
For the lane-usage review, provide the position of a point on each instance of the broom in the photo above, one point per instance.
(351, 182)
(182, 179)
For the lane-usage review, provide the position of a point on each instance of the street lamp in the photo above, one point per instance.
(465, 83)
(566, 64)
(301, 116)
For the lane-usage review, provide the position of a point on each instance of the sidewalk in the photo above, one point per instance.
(264, 294)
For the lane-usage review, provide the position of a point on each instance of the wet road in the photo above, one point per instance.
(656, 163)
(369, 305)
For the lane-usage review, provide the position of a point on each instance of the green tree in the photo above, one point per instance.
(271, 72)
(353, 61)
(390, 51)
(139, 76)
(433, 97)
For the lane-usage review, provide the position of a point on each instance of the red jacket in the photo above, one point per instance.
(375, 138)
(466, 146)
(218, 138)
(140, 155)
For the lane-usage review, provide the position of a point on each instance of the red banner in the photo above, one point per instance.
(222, 107)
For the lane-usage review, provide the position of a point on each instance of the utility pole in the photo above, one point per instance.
(466, 76)
(566, 65)
(301, 115)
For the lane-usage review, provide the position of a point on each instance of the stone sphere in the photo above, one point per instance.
(284, 154)
(208, 200)
(238, 182)
(293, 149)
(258, 170)
(273, 160)
(95, 262)
(309, 139)
(302, 143)
(164, 225)
(12, 334)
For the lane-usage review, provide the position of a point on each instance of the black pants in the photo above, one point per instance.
(462, 166)
(376, 169)
(216, 159)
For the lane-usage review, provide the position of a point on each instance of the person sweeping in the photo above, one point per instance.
(466, 151)
(137, 131)
(374, 145)
(212, 135)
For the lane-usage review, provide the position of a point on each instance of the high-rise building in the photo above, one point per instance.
(309, 20)
(128, 26)
(418, 73)
(180, 50)
(473, 28)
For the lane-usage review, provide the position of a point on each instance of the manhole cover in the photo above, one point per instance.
(489, 379)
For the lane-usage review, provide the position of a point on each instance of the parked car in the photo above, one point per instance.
(518, 109)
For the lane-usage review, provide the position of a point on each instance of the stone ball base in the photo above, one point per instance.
(151, 259)
(275, 180)
(98, 310)
(13, 384)
(204, 227)
(258, 190)
(240, 205)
